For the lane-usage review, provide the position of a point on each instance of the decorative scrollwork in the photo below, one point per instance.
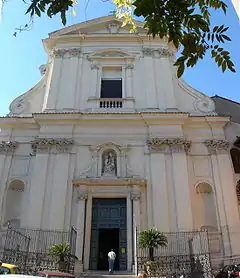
(60, 144)
(214, 146)
(168, 144)
(135, 196)
(204, 105)
(148, 51)
(129, 66)
(162, 52)
(8, 146)
(62, 52)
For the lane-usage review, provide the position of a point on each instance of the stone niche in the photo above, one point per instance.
(109, 160)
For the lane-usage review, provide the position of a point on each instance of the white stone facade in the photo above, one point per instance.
(164, 146)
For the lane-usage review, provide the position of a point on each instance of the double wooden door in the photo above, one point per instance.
(109, 216)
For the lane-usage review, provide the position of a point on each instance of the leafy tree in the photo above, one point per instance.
(151, 239)
(186, 23)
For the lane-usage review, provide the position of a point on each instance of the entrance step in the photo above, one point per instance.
(104, 274)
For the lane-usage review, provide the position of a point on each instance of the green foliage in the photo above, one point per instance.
(60, 251)
(186, 23)
(152, 239)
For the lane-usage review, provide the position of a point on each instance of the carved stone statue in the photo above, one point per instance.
(109, 164)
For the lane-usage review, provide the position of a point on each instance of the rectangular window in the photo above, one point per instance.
(111, 83)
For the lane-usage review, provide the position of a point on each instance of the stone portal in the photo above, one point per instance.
(109, 231)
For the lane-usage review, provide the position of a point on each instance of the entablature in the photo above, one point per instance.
(79, 182)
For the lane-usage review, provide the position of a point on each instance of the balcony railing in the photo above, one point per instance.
(110, 103)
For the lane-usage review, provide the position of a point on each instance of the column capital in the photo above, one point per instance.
(217, 146)
(168, 145)
(62, 52)
(82, 194)
(135, 194)
(95, 66)
(129, 66)
(158, 52)
(8, 146)
(46, 144)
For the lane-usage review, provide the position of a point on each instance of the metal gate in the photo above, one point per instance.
(187, 255)
(16, 248)
(27, 249)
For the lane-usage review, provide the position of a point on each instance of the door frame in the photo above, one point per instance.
(114, 194)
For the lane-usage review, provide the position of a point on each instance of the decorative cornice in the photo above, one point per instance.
(44, 144)
(62, 52)
(168, 145)
(217, 145)
(162, 52)
(78, 182)
(8, 146)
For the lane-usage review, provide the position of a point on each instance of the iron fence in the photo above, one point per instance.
(186, 255)
(28, 249)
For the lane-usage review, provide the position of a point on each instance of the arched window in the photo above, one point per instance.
(238, 192)
(206, 209)
(235, 154)
(14, 202)
(109, 163)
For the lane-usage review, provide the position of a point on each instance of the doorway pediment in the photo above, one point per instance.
(109, 182)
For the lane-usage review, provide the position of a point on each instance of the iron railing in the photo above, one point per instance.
(187, 255)
(28, 249)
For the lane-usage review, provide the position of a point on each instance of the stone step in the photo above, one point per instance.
(115, 274)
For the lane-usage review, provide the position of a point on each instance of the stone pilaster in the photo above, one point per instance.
(94, 80)
(136, 198)
(177, 147)
(7, 149)
(149, 79)
(129, 89)
(225, 188)
(81, 203)
(42, 149)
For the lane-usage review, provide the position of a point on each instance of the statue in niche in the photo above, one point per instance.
(109, 164)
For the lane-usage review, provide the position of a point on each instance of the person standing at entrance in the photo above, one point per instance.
(111, 260)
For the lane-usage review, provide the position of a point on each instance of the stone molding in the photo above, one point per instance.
(46, 144)
(168, 145)
(8, 146)
(216, 145)
(62, 52)
(162, 52)
(79, 182)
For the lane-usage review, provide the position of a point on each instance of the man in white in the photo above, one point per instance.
(111, 260)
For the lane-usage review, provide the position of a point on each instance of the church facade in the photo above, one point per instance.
(110, 140)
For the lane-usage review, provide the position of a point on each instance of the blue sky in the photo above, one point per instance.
(21, 56)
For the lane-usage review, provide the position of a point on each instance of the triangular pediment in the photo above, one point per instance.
(102, 25)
